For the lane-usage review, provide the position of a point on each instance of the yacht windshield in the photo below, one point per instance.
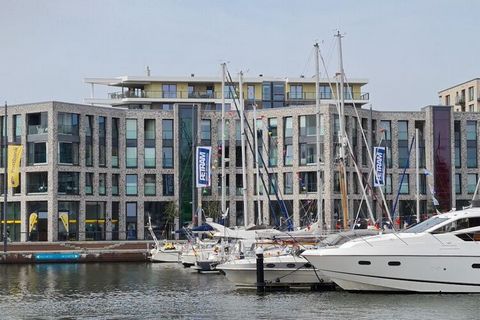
(425, 225)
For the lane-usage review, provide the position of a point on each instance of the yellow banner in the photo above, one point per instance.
(33, 221)
(64, 217)
(14, 157)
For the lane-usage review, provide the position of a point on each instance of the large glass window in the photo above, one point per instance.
(115, 143)
(308, 154)
(102, 184)
(88, 183)
(13, 221)
(149, 157)
(37, 182)
(404, 186)
(288, 183)
(168, 184)
(458, 183)
(296, 91)
(89, 142)
(17, 127)
(169, 91)
(131, 157)
(102, 142)
(37, 212)
(68, 220)
(287, 127)
(131, 220)
(115, 184)
(68, 123)
(206, 131)
(149, 127)
(471, 144)
(68, 183)
(37, 123)
(288, 155)
(273, 183)
(95, 220)
(68, 153)
(458, 144)
(167, 157)
(308, 181)
(115, 219)
(149, 136)
(167, 129)
(471, 182)
(149, 185)
(131, 185)
(403, 155)
(37, 153)
(131, 125)
(308, 125)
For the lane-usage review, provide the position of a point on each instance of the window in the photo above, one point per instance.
(115, 138)
(308, 154)
(149, 157)
(167, 129)
(131, 129)
(288, 182)
(296, 92)
(115, 219)
(402, 130)
(404, 187)
(273, 183)
(287, 127)
(131, 220)
(458, 144)
(131, 185)
(89, 142)
(17, 127)
(68, 220)
(471, 182)
(131, 157)
(68, 182)
(37, 153)
(68, 153)
(308, 182)
(150, 185)
(206, 131)
(458, 183)
(168, 184)
(169, 91)
(471, 144)
(471, 94)
(102, 184)
(325, 92)
(115, 184)
(37, 182)
(149, 129)
(388, 184)
(308, 125)
(102, 142)
(167, 157)
(403, 156)
(37, 123)
(447, 100)
(273, 94)
(89, 183)
(68, 123)
(95, 220)
(250, 92)
(288, 155)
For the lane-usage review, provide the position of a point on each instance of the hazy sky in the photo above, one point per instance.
(408, 50)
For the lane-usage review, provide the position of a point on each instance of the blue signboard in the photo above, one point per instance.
(204, 158)
(379, 153)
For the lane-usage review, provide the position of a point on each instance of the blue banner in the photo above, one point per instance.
(380, 153)
(204, 159)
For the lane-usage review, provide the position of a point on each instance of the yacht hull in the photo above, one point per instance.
(165, 256)
(448, 274)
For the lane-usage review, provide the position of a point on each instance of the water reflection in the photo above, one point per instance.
(105, 291)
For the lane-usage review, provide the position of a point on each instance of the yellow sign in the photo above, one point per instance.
(64, 217)
(33, 221)
(14, 157)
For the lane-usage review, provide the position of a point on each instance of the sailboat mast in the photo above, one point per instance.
(317, 103)
(224, 204)
(417, 173)
(257, 167)
(242, 137)
(341, 137)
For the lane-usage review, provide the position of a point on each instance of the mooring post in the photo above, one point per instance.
(260, 272)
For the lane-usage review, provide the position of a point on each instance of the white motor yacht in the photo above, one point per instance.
(168, 253)
(441, 254)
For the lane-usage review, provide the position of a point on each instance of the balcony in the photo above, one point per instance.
(460, 100)
(165, 95)
(310, 96)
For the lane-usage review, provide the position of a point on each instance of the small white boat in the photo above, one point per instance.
(168, 253)
(284, 270)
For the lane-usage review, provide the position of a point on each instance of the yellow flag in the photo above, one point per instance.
(64, 217)
(33, 221)
(14, 157)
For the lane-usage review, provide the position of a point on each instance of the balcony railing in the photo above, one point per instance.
(166, 95)
(302, 96)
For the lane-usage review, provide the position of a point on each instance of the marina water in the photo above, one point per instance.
(167, 291)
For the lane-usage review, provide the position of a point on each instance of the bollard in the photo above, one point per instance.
(260, 271)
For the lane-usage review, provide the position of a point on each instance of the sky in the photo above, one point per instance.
(408, 50)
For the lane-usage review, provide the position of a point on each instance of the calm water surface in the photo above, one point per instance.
(160, 291)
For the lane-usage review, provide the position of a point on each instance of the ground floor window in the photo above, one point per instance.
(13, 221)
(131, 220)
(156, 211)
(37, 220)
(95, 220)
(68, 220)
(115, 219)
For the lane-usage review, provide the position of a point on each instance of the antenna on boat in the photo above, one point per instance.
(242, 137)
(224, 66)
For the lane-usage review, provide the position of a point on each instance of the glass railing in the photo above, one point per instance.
(37, 129)
(166, 95)
(355, 95)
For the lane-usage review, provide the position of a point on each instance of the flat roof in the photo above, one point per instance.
(458, 85)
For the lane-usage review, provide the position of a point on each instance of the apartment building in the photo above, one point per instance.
(464, 97)
(112, 165)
